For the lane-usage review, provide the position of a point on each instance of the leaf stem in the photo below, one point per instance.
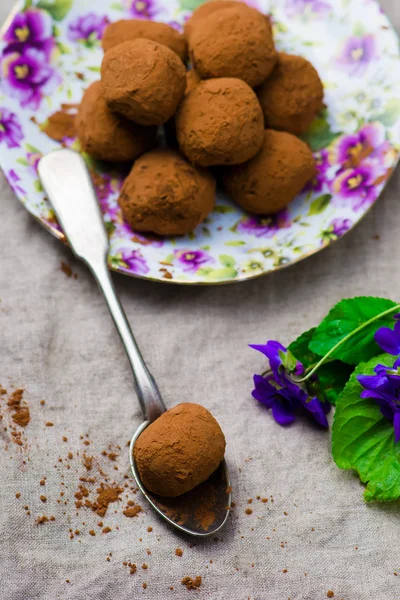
(343, 341)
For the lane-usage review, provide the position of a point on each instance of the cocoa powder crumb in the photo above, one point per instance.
(44, 519)
(144, 585)
(145, 566)
(191, 584)
(179, 552)
(49, 424)
(43, 498)
(330, 594)
(42, 402)
(149, 529)
(132, 568)
(42, 482)
(132, 511)
(65, 439)
(92, 532)
(107, 529)
(284, 570)
(250, 500)
(248, 511)
(18, 495)
(264, 500)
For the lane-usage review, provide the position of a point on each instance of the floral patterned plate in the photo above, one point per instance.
(50, 51)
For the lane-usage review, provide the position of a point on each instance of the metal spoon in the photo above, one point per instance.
(67, 182)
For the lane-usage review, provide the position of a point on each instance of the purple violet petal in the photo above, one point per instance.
(388, 339)
(283, 414)
(396, 423)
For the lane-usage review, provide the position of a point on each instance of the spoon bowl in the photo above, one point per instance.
(201, 512)
(66, 179)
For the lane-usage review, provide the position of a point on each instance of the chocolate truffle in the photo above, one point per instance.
(293, 96)
(220, 122)
(144, 81)
(179, 450)
(107, 136)
(132, 29)
(268, 182)
(166, 195)
(234, 43)
(192, 80)
(206, 9)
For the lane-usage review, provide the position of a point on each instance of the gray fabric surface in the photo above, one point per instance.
(57, 341)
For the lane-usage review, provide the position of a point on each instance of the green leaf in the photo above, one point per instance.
(299, 348)
(117, 6)
(58, 9)
(32, 149)
(220, 274)
(358, 29)
(227, 261)
(332, 377)
(319, 204)
(238, 243)
(319, 135)
(23, 162)
(221, 208)
(37, 185)
(391, 113)
(110, 228)
(345, 318)
(363, 439)
(94, 69)
(190, 4)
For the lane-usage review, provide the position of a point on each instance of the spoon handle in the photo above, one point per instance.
(67, 182)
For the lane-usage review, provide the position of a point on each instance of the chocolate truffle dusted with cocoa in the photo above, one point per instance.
(144, 81)
(273, 178)
(293, 96)
(192, 80)
(179, 450)
(220, 122)
(107, 136)
(166, 195)
(234, 43)
(132, 29)
(206, 9)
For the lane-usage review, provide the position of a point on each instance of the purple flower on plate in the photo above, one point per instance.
(88, 29)
(317, 9)
(357, 53)
(133, 261)
(176, 25)
(27, 77)
(10, 130)
(322, 166)
(264, 226)
(358, 187)
(192, 260)
(340, 226)
(32, 28)
(389, 339)
(351, 150)
(144, 9)
(13, 179)
(33, 159)
(279, 393)
(384, 388)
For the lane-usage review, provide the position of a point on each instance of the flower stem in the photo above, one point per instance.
(343, 341)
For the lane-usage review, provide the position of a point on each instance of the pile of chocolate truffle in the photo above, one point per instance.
(234, 116)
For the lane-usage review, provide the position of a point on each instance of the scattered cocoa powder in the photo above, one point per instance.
(191, 584)
(264, 500)
(330, 594)
(107, 529)
(44, 519)
(144, 585)
(132, 511)
(42, 482)
(60, 125)
(248, 511)
(149, 529)
(178, 552)
(92, 532)
(49, 424)
(145, 566)
(21, 414)
(43, 498)
(105, 497)
(18, 495)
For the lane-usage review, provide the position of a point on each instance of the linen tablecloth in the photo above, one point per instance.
(316, 538)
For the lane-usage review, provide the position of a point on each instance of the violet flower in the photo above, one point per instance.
(144, 9)
(315, 8)
(264, 226)
(357, 186)
(10, 129)
(13, 179)
(132, 260)
(279, 393)
(389, 339)
(357, 53)
(322, 165)
(192, 260)
(351, 150)
(32, 28)
(27, 77)
(88, 29)
(384, 388)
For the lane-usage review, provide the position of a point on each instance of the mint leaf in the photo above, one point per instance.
(58, 9)
(345, 318)
(363, 439)
(319, 204)
(332, 377)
